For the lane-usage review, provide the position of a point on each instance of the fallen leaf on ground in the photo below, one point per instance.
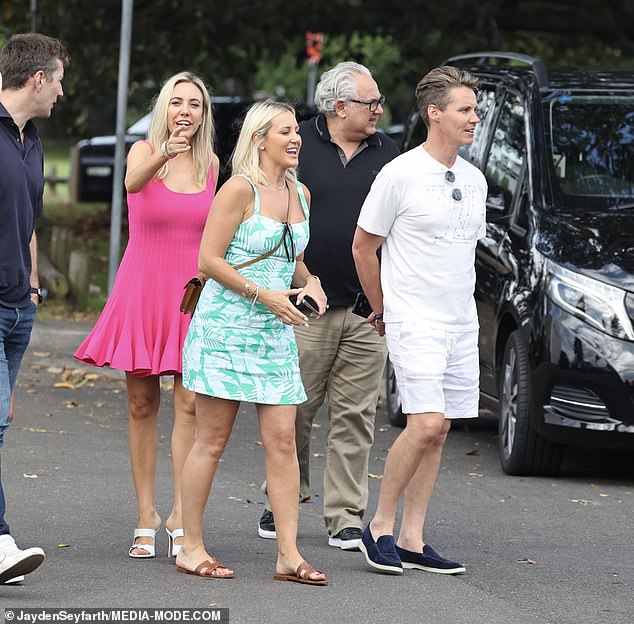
(305, 499)
(41, 353)
(29, 476)
(73, 378)
(373, 476)
(527, 560)
(473, 452)
(37, 430)
(63, 545)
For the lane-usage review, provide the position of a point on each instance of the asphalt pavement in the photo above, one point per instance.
(537, 551)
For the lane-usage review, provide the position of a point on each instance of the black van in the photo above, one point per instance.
(555, 271)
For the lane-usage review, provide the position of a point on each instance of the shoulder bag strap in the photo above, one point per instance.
(272, 251)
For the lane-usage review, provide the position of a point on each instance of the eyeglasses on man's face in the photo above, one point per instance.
(371, 104)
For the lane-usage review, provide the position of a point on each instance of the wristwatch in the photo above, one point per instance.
(38, 292)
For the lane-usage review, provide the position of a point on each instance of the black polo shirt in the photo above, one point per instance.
(338, 189)
(21, 189)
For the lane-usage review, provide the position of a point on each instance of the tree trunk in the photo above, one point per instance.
(50, 278)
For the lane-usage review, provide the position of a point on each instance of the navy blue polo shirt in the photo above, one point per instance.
(21, 189)
(338, 188)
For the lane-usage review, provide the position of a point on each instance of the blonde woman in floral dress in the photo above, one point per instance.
(240, 345)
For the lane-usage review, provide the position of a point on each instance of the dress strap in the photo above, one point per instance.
(302, 198)
(256, 203)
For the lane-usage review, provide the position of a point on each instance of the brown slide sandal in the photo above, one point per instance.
(302, 575)
(208, 567)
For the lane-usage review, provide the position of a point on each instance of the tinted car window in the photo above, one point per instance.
(507, 153)
(591, 148)
(486, 111)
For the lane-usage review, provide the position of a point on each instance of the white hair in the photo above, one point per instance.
(338, 84)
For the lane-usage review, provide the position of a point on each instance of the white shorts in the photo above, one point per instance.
(436, 370)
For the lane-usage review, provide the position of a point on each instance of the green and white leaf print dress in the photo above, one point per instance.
(236, 349)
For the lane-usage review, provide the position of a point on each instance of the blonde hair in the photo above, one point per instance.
(203, 140)
(257, 122)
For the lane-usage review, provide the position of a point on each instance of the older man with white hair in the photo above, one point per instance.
(341, 358)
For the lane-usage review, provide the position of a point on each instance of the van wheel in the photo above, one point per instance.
(394, 411)
(522, 450)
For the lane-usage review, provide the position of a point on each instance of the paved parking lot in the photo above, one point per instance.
(536, 550)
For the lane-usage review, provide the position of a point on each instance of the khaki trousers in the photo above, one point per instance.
(341, 358)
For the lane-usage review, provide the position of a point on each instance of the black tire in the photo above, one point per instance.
(394, 411)
(522, 450)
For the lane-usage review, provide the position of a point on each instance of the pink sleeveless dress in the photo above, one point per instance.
(141, 329)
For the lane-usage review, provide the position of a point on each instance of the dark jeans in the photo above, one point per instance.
(15, 332)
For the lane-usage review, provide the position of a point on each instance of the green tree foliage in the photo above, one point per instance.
(287, 75)
(242, 45)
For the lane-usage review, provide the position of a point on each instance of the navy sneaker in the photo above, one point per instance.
(266, 526)
(381, 554)
(347, 539)
(429, 560)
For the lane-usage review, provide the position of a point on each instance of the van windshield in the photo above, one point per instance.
(591, 139)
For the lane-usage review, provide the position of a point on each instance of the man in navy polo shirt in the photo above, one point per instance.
(340, 357)
(32, 68)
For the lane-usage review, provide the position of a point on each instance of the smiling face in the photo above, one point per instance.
(458, 120)
(282, 142)
(185, 109)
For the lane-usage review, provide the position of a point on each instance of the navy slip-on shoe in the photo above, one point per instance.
(429, 560)
(381, 554)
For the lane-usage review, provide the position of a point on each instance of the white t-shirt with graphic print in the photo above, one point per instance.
(428, 256)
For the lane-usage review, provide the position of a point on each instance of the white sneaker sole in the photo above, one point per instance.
(344, 544)
(20, 563)
(14, 581)
(266, 534)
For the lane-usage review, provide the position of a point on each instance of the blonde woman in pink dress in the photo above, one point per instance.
(170, 180)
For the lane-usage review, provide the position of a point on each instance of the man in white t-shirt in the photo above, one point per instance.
(426, 210)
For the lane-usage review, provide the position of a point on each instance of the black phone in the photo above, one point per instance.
(362, 306)
(308, 304)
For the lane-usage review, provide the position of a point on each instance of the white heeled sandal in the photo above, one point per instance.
(151, 551)
(172, 548)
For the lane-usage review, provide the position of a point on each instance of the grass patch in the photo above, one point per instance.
(57, 164)
(87, 228)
